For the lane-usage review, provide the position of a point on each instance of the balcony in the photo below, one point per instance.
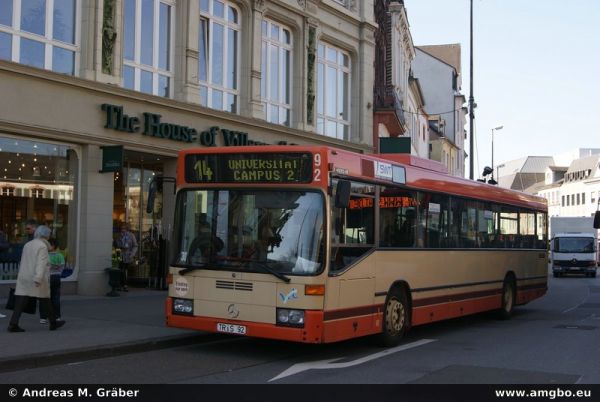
(388, 110)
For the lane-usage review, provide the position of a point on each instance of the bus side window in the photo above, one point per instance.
(352, 234)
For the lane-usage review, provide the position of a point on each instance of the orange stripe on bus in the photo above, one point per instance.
(351, 312)
(438, 312)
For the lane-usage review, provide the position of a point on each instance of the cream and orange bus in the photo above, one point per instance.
(316, 244)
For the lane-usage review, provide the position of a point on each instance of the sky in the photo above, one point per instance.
(536, 71)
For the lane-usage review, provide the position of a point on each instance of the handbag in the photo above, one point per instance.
(30, 307)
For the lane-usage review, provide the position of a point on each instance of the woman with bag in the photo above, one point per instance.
(33, 280)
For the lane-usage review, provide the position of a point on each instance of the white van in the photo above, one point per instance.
(574, 253)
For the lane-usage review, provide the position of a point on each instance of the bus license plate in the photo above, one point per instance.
(231, 329)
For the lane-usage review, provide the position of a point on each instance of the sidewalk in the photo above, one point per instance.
(95, 327)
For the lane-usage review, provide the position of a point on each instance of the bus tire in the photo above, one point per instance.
(509, 296)
(396, 318)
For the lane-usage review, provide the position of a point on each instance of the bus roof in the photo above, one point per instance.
(421, 174)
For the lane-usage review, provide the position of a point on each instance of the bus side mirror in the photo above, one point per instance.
(342, 194)
(152, 188)
(597, 220)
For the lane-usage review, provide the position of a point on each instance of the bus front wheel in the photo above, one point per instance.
(509, 293)
(396, 318)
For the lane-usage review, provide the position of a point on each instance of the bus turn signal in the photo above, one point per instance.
(314, 290)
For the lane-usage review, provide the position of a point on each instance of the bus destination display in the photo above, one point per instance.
(249, 168)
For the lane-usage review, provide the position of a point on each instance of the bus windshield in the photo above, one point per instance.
(574, 245)
(278, 232)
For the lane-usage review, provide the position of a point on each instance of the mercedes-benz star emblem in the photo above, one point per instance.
(233, 311)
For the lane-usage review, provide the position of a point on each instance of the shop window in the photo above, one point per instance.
(40, 33)
(8, 191)
(333, 92)
(147, 43)
(130, 197)
(38, 181)
(37, 192)
(276, 72)
(218, 58)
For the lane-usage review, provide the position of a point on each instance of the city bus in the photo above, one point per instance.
(315, 244)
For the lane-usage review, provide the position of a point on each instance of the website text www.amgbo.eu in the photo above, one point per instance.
(543, 393)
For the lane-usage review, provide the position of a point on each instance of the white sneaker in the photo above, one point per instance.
(43, 321)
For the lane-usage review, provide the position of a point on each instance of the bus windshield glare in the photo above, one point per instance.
(250, 230)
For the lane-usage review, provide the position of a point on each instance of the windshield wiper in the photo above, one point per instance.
(264, 265)
(202, 265)
(190, 269)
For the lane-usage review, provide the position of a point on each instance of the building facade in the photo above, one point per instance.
(393, 57)
(524, 174)
(439, 70)
(574, 190)
(155, 77)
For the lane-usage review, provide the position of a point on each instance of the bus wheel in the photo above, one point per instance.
(395, 318)
(508, 298)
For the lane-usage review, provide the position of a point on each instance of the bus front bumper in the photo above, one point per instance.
(312, 332)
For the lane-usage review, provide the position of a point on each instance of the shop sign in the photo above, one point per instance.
(112, 158)
(152, 125)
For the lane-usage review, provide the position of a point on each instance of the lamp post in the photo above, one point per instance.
(471, 102)
(494, 129)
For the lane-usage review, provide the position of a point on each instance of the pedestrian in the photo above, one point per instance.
(33, 280)
(30, 227)
(57, 264)
(128, 245)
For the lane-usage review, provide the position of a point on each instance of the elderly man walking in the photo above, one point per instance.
(33, 279)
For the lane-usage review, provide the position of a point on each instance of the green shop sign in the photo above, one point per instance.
(151, 124)
(112, 158)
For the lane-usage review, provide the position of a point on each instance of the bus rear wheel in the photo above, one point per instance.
(396, 318)
(509, 293)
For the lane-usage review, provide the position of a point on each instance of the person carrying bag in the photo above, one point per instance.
(33, 280)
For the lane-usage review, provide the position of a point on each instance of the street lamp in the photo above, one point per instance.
(494, 129)
(471, 101)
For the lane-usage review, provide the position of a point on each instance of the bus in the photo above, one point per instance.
(315, 244)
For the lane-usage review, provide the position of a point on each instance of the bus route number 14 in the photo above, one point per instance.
(203, 171)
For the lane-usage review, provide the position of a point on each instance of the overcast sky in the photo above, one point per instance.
(536, 71)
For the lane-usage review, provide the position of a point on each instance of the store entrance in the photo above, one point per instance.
(129, 206)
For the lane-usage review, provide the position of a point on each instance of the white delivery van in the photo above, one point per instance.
(573, 246)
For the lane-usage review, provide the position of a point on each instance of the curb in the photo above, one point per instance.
(103, 351)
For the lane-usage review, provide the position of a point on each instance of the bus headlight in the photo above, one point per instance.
(294, 318)
(183, 306)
